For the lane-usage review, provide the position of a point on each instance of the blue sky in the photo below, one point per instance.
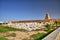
(28, 9)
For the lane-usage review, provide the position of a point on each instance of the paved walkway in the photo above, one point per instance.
(58, 37)
(53, 35)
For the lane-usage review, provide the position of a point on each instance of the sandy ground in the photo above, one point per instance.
(21, 35)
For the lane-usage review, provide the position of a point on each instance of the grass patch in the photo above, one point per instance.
(2, 38)
(38, 36)
(6, 29)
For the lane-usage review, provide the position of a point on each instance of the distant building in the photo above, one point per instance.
(32, 24)
(47, 19)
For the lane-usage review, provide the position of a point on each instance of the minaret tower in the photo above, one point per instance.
(47, 17)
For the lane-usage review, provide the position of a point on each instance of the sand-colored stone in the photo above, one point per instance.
(58, 36)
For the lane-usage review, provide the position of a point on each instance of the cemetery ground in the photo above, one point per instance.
(9, 33)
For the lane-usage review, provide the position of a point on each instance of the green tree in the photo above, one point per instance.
(59, 23)
(48, 27)
(56, 23)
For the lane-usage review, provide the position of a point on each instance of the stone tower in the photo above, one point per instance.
(47, 16)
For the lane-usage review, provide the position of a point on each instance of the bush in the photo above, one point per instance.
(13, 35)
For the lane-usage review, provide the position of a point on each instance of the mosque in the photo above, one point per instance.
(32, 24)
(47, 19)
